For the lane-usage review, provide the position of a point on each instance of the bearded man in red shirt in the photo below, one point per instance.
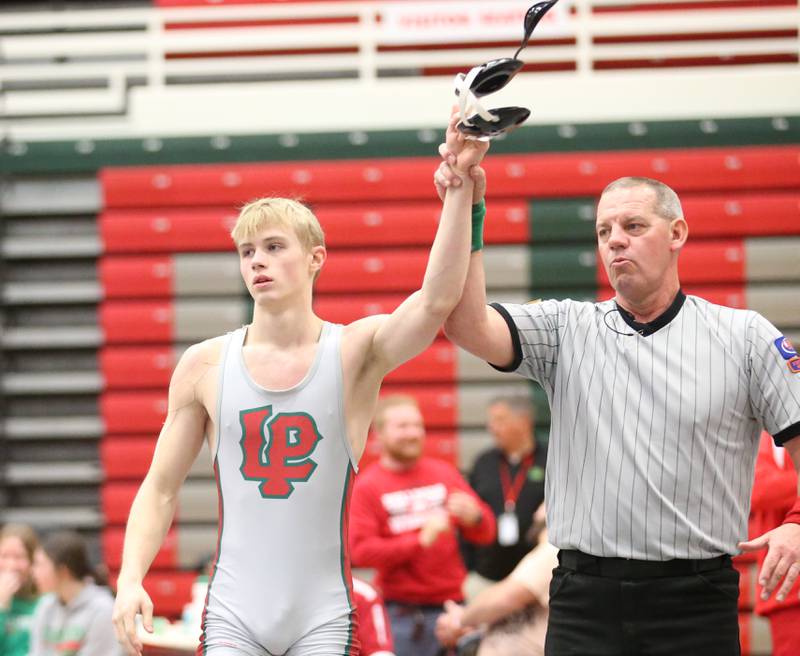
(405, 516)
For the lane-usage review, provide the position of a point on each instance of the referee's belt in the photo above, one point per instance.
(624, 568)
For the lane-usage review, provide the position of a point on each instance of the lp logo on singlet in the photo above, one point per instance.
(276, 450)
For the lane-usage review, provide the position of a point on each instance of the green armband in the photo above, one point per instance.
(478, 213)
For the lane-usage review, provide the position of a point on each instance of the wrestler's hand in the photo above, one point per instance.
(458, 151)
(448, 625)
(464, 508)
(782, 561)
(445, 177)
(131, 600)
(433, 526)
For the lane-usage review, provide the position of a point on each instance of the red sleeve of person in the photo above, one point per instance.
(374, 632)
(774, 495)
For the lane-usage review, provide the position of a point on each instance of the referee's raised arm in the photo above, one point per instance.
(473, 325)
(476, 326)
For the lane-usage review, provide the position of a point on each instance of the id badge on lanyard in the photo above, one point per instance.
(508, 527)
(507, 521)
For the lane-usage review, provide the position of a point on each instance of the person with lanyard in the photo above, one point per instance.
(509, 477)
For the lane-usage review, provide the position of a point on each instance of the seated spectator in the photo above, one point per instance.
(374, 631)
(74, 619)
(520, 632)
(774, 493)
(18, 593)
(512, 613)
(405, 514)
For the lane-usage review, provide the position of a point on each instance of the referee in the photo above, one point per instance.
(657, 401)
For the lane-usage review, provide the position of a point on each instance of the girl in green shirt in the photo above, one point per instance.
(18, 594)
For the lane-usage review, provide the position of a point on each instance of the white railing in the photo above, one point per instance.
(85, 62)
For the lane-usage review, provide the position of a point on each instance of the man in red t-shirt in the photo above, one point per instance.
(405, 516)
(374, 632)
(774, 492)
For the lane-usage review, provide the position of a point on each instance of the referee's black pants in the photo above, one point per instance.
(619, 607)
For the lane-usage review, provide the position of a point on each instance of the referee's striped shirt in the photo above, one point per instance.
(654, 427)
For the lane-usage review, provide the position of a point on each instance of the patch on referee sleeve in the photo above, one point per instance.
(785, 348)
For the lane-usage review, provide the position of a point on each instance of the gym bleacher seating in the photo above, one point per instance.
(167, 276)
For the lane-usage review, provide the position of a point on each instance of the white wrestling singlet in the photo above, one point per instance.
(284, 469)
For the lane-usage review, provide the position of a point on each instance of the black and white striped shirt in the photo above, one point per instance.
(654, 427)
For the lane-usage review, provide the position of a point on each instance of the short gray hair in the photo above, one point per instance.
(667, 204)
(518, 403)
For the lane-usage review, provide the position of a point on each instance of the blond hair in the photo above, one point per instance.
(390, 401)
(283, 212)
